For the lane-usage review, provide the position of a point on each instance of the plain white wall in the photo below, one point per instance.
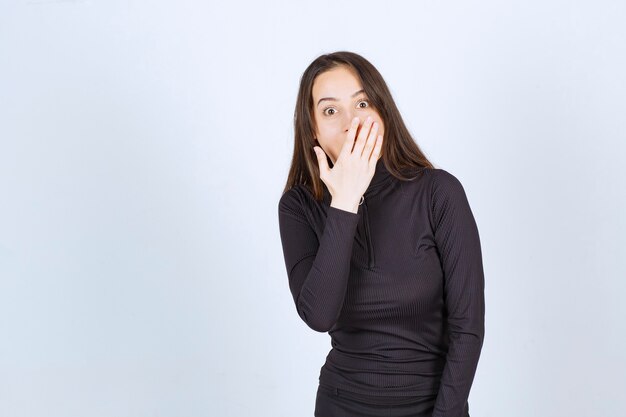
(144, 146)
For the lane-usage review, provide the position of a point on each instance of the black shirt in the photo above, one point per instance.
(399, 287)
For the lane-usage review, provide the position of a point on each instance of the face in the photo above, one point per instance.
(337, 99)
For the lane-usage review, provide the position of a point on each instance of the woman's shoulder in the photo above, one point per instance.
(435, 176)
(446, 190)
(443, 176)
(444, 179)
(296, 200)
(437, 183)
(430, 175)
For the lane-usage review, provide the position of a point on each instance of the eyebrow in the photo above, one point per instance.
(334, 99)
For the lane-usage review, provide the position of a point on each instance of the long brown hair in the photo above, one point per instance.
(400, 154)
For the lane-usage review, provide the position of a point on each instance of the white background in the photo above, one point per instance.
(144, 146)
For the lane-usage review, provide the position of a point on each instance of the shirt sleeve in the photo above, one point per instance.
(318, 271)
(458, 243)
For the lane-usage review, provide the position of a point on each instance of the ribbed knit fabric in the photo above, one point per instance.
(399, 287)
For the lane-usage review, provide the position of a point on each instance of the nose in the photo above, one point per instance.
(348, 122)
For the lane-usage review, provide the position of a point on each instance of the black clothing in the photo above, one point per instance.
(339, 403)
(399, 287)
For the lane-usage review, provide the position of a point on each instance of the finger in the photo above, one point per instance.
(362, 137)
(346, 149)
(371, 139)
(376, 151)
(321, 160)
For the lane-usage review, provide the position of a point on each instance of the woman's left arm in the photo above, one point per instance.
(458, 242)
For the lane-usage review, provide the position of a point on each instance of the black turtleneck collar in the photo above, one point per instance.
(380, 178)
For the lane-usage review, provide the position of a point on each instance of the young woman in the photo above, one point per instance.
(382, 252)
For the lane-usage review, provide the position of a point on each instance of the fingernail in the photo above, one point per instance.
(355, 121)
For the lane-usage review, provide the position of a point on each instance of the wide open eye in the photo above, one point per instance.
(324, 111)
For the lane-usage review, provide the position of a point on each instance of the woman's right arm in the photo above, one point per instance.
(318, 271)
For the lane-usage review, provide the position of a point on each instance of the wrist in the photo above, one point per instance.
(347, 205)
